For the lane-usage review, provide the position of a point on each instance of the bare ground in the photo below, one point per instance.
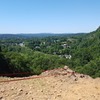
(59, 85)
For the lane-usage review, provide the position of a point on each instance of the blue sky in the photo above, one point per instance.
(53, 16)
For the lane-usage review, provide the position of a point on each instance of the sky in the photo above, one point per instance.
(49, 16)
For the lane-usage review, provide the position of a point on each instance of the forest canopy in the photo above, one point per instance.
(80, 52)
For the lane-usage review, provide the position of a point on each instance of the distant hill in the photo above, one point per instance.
(38, 35)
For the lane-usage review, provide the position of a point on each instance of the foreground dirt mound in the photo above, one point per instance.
(64, 71)
(58, 84)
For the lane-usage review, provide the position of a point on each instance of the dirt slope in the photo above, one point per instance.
(58, 84)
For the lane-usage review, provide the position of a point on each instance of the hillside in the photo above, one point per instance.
(86, 54)
(59, 85)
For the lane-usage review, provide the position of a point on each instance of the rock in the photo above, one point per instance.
(26, 93)
(20, 90)
(66, 67)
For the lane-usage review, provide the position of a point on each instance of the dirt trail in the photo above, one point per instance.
(59, 86)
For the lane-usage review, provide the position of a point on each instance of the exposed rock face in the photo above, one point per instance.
(57, 84)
